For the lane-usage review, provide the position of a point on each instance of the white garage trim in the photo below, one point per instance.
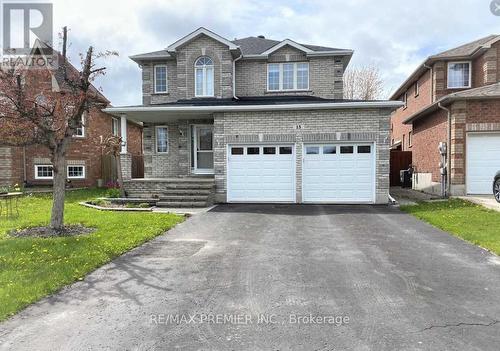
(479, 173)
(232, 189)
(306, 198)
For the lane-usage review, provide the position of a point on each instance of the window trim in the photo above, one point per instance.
(448, 74)
(113, 120)
(156, 140)
(73, 177)
(204, 70)
(410, 135)
(82, 128)
(280, 74)
(405, 100)
(417, 88)
(166, 79)
(43, 178)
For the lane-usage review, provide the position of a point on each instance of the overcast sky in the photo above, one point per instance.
(393, 35)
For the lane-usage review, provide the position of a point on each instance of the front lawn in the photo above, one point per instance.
(31, 268)
(464, 219)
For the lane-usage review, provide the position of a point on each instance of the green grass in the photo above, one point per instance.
(464, 219)
(31, 268)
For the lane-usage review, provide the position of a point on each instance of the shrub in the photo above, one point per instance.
(112, 184)
(113, 193)
(100, 202)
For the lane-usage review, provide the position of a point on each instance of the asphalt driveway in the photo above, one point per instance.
(251, 277)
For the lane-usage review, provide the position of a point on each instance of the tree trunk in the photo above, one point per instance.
(59, 172)
(120, 175)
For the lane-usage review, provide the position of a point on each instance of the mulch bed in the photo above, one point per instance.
(46, 232)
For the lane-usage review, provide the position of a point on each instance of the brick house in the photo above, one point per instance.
(31, 165)
(258, 120)
(453, 97)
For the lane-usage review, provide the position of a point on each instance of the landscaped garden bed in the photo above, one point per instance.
(120, 204)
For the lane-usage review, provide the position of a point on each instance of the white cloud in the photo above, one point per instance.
(393, 35)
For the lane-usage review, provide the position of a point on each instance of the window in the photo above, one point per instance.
(43, 172)
(409, 138)
(288, 76)
(160, 79)
(312, 150)
(269, 150)
(115, 126)
(459, 75)
(329, 150)
(161, 139)
(405, 100)
(403, 143)
(285, 150)
(80, 129)
(236, 151)
(253, 151)
(364, 149)
(417, 88)
(204, 77)
(347, 149)
(76, 172)
(273, 74)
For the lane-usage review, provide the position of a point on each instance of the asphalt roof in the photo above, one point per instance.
(256, 100)
(491, 91)
(248, 46)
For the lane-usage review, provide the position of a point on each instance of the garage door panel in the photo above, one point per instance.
(261, 178)
(483, 161)
(340, 177)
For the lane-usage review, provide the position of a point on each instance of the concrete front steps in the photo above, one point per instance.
(189, 192)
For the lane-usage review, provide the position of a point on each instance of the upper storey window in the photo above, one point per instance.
(459, 75)
(204, 76)
(161, 79)
(288, 76)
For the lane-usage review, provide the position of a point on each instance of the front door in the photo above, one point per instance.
(203, 149)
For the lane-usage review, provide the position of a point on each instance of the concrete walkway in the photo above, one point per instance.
(487, 201)
(287, 277)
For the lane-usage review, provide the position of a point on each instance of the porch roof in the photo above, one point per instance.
(204, 108)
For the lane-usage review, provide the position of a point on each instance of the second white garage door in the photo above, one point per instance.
(261, 173)
(483, 162)
(339, 173)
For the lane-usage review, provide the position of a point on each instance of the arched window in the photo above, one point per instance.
(204, 76)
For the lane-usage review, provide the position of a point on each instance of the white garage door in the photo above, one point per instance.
(339, 173)
(483, 161)
(261, 173)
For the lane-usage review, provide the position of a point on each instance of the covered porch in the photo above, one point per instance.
(175, 143)
(178, 156)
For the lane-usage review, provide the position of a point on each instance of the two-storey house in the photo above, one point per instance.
(259, 120)
(453, 97)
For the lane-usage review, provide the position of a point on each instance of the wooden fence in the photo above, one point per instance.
(400, 160)
(138, 166)
(109, 171)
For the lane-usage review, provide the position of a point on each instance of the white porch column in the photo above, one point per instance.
(124, 133)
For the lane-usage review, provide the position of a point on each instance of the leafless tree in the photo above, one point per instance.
(363, 83)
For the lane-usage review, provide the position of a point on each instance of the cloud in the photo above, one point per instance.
(393, 35)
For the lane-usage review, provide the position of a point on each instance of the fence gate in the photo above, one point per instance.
(400, 160)
(109, 171)
(138, 166)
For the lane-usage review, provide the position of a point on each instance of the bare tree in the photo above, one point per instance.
(363, 83)
(32, 115)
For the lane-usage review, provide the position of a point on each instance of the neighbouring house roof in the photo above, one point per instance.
(466, 51)
(251, 47)
(482, 93)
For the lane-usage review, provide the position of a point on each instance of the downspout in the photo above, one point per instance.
(234, 76)
(432, 81)
(25, 178)
(448, 150)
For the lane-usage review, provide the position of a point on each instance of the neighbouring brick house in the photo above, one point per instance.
(31, 165)
(453, 97)
(259, 120)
